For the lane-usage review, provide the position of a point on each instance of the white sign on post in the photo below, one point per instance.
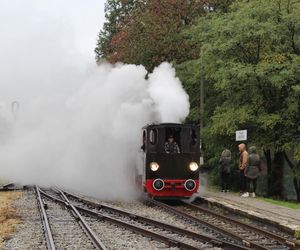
(241, 135)
(201, 161)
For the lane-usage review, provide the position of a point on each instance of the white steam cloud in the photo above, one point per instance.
(78, 124)
(166, 91)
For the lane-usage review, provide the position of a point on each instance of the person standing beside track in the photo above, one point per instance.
(225, 169)
(252, 171)
(242, 166)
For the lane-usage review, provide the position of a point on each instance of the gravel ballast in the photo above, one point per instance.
(67, 233)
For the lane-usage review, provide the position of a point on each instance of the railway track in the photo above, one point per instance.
(78, 220)
(65, 228)
(45, 221)
(279, 237)
(172, 236)
(252, 237)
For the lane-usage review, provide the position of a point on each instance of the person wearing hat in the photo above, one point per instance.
(171, 147)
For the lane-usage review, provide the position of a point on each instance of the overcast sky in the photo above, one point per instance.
(43, 42)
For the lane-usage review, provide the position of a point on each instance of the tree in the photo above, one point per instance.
(250, 57)
(150, 33)
(117, 13)
(247, 54)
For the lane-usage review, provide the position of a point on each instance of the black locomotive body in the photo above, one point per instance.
(162, 173)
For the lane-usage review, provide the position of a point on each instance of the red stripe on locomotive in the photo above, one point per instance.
(172, 188)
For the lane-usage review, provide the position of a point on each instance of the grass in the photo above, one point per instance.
(8, 216)
(288, 204)
(3, 181)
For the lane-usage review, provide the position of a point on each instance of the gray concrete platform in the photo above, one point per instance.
(285, 218)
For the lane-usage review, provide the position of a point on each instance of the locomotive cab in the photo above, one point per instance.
(171, 158)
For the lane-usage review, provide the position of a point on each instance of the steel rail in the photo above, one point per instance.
(8, 185)
(45, 222)
(247, 243)
(96, 241)
(202, 237)
(280, 239)
(169, 241)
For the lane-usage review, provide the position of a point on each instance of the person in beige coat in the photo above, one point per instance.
(244, 157)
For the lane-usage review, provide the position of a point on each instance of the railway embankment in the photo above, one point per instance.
(285, 218)
(8, 215)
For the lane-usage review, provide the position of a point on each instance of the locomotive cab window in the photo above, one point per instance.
(172, 140)
(144, 141)
(193, 137)
(153, 136)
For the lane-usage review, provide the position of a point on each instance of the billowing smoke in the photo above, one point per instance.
(64, 120)
(165, 89)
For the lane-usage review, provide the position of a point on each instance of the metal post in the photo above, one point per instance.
(201, 110)
(201, 98)
(15, 106)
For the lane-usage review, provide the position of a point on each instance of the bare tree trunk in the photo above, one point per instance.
(297, 188)
(277, 175)
(267, 154)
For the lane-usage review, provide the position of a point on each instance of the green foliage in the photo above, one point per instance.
(225, 122)
(221, 5)
(117, 13)
(288, 204)
(251, 58)
(150, 32)
(190, 75)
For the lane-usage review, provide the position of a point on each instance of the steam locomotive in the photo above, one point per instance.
(165, 173)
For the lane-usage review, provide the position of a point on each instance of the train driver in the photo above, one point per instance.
(171, 147)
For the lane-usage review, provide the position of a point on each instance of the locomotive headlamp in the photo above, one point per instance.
(193, 166)
(154, 166)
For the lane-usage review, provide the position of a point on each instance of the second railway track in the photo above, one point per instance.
(250, 236)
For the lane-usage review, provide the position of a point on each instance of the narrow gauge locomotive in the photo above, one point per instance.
(162, 173)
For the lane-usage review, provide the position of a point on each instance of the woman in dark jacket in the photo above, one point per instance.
(225, 168)
(252, 171)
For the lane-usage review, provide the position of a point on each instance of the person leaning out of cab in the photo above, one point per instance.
(171, 147)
